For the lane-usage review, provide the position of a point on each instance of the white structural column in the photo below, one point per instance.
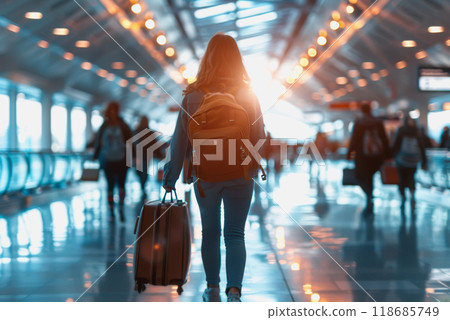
(89, 132)
(13, 139)
(69, 107)
(47, 103)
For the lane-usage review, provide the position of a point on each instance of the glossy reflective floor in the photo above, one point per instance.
(306, 241)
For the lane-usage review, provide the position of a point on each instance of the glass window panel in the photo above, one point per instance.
(29, 123)
(4, 120)
(4, 173)
(62, 166)
(96, 120)
(59, 128)
(36, 170)
(19, 172)
(78, 117)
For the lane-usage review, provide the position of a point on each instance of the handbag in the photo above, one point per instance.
(91, 171)
(349, 177)
(389, 173)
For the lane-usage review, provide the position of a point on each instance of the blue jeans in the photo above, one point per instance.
(236, 195)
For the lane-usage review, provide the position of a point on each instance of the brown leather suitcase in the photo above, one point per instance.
(163, 247)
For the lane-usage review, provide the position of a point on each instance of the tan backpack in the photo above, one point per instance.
(224, 123)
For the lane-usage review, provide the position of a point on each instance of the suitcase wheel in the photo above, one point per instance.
(180, 290)
(139, 287)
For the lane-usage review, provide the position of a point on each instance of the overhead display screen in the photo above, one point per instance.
(434, 79)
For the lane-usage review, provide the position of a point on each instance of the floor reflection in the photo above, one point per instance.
(56, 252)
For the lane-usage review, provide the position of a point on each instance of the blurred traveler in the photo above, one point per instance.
(321, 143)
(445, 139)
(408, 149)
(221, 70)
(110, 149)
(370, 147)
(143, 174)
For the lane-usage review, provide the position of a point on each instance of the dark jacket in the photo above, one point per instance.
(361, 125)
(412, 132)
(126, 134)
(180, 146)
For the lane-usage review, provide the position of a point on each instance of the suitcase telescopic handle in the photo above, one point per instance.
(136, 225)
(171, 196)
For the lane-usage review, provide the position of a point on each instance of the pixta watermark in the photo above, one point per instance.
(146, 151)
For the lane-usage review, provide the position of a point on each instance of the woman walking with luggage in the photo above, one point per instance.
(221, 70)
(408, 150)
(110, 149)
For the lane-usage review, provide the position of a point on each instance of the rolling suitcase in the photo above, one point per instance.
(163, 245)
(349, 177)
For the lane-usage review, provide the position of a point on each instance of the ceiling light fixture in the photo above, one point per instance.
(408, 43)
(401, 64)
(131, 73)
(161, 40)
(150, 24)
(303, 62)
(353, 73)
(214, 10)
(13, 28)
(321, 41)
(334, 25)
(421, 54)
(375, 76)
(368, 65)
(435, 29)
(312, 52)
(170, 52)
(43, 44)
(266, 17)
(82, 44)
(68, 56)
(335, 15)
(118, 65)
(384, 72)
(362, 82)
(141, 81)
(126, 23)
(86, 65)
(102, 73)
(61, 31)
(350, 9)
(341, 80)
(33, 15)
(136, 8)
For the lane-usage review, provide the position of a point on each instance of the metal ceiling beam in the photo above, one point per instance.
(181, 27)
(306, 9)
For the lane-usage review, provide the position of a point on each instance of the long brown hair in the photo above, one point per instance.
(222, 59)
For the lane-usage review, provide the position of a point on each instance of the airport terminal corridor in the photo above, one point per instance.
(318, 129)
(67, 244)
